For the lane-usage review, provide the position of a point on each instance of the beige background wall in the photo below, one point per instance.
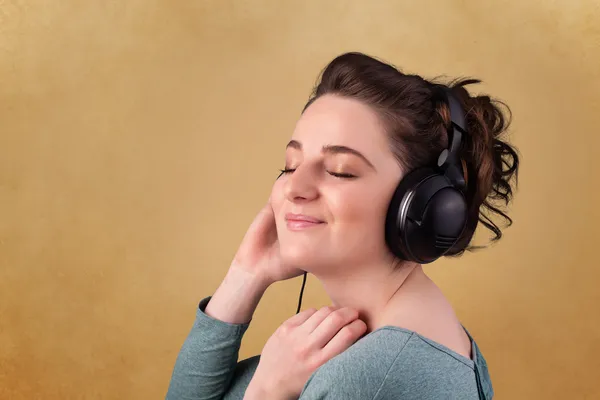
(139, 138)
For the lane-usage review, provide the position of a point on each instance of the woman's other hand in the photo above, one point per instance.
(301, 345)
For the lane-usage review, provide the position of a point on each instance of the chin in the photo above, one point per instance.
(300, 256)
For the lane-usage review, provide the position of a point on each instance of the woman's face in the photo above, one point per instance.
(335, 135)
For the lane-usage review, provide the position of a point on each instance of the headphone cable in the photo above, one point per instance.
(301, 292)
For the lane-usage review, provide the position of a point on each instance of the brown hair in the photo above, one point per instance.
(416, 118)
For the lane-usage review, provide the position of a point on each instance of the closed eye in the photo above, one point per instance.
(336, 174)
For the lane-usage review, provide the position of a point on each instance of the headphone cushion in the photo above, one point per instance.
(441, 224)
(426, 216)
(392, 221)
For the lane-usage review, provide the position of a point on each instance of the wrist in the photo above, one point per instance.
(238, 276)
(236, 299)
(254, 280)
(257, 391)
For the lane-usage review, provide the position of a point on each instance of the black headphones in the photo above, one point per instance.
(428, 211)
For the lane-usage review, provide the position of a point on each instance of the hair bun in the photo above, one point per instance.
(490, 160)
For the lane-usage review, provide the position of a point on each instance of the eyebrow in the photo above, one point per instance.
(333, 149)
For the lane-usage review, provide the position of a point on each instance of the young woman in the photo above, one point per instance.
(385, 172)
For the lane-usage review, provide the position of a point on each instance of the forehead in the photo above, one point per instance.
(334, 120)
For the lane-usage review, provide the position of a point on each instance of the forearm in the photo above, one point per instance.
(207, 360)
(236, 299)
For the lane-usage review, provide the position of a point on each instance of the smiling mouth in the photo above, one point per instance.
(297, 225)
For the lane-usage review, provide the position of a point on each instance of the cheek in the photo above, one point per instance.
(359, 222)
(362, 206)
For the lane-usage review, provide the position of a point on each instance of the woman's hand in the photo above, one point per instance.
(301, 345)
(259, 251)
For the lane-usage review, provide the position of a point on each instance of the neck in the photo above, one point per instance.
(372, 290)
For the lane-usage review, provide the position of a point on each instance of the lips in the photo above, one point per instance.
(302, 218)
(299, 222)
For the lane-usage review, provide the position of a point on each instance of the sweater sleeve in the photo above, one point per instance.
(207, 362)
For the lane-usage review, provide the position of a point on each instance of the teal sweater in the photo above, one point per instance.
(388, 363)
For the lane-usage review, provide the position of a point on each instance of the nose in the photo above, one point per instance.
(301, 185)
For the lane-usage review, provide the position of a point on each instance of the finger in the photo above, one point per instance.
(270, 201)
(300, 318)
(267, 213)
(264, 222)
(345, 338)
(317, 319)
(331, 325)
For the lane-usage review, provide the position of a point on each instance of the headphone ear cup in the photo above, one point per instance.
(397, 210)
(435, 229)
(426, 216)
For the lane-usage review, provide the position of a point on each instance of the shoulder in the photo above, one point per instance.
(358, 372)
(425, 369)
(392, 363)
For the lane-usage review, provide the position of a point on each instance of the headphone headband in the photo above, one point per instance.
(458, 121)
(449, 159)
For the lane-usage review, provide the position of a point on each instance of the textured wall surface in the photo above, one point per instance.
(138, 139)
